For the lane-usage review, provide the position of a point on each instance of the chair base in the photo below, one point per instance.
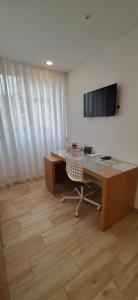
(69, 198)
(81, 197)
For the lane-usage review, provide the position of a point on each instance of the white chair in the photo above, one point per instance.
(74, 169)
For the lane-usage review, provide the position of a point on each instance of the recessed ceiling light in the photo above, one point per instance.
(49, 63)
(87, 17)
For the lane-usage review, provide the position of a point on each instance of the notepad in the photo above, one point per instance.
(124, 166)
(92, 165)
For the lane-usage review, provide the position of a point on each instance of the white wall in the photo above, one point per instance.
(118, 135)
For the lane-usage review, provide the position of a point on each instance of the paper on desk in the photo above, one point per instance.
(124, 166)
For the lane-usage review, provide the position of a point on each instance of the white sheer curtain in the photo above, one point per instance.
(32, 119)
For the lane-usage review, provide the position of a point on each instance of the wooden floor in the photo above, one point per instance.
(51, 255)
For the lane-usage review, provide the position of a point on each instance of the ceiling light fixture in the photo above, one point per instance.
(49, 63)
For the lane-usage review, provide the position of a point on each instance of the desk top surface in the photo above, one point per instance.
(94, 165)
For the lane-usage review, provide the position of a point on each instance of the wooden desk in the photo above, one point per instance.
(118, 189)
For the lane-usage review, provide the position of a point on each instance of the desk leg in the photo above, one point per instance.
(55, 173)
(118, 197)
(50, 175)
(104, 209)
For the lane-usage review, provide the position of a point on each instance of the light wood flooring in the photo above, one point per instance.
(52, 255)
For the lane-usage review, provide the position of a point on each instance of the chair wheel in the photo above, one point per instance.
(76, 214)
(98, 208)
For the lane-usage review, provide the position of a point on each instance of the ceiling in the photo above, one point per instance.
(33, 31)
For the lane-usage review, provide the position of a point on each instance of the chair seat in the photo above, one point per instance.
(82, 179)
(86, 180)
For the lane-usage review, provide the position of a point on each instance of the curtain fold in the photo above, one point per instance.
(32, 119)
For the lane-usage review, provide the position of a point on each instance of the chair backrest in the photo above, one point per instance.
(74, 169)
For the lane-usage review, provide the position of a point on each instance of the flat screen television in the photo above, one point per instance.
(101, 102)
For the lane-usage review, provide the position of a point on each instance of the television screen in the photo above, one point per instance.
(101, 102)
